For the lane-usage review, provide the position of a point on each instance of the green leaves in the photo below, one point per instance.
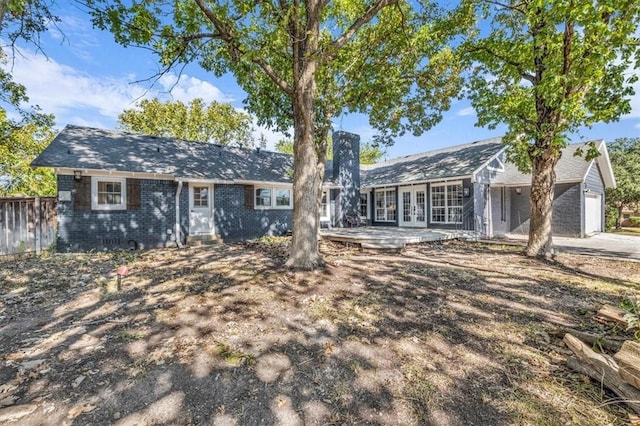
(547, 69)
(215, 123)
(19, 145)
(624, 154)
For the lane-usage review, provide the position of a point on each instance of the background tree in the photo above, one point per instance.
(302, 62)
(624, 154)
(546, 69)
(196, 121)
(23, 137)
(19, 145)
(369, 152)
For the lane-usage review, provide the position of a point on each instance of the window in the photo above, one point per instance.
(200, 196)
(364, 205)
(283, 197)
(273, 198)
(386, 205)
(325, 214)
(108, 194)
(446, 203)
(263, 197)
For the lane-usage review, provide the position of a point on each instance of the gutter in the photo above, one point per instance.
(178, 238)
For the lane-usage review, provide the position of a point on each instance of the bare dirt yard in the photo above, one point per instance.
(442, 334)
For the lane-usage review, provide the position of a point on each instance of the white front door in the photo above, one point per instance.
(201, 209)
(592, 213)
(413, 206)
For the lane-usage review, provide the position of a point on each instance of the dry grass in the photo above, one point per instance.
(438, 334)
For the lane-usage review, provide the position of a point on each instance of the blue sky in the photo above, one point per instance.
(87, 79)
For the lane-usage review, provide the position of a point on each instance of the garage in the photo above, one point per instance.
(592, 213)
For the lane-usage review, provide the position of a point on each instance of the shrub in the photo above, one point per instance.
(635, 221)
(611, 217)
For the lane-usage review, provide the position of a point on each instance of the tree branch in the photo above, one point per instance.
(366, 17)
(519, 67)
(227, 36)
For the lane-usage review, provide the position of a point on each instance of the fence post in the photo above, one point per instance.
(37, 212)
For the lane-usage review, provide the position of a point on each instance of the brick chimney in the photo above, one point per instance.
(346, 173)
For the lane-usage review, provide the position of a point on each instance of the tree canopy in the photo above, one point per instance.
(624, 154)
(302, 62)
(22, 139)
(19, 145)
(545, 69)
(369, 152)
(196, 121)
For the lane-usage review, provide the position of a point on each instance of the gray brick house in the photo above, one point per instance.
(122, 190)
(472, 187)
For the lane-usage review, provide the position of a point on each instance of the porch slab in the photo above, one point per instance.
(390, 237)
(203, 239)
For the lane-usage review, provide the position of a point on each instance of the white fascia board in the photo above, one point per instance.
(486, 163)
(513, 185)
(202, 180)
(113, 173)
(421, 182)
(263, 183)
(605, 166)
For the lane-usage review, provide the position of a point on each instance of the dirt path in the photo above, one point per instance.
(437, 334)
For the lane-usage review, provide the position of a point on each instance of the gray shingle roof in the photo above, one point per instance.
(452, 162)
(570, 168)
(97, 149)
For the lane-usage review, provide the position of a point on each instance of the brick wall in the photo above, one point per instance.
(346, 173)
(235, 222)
(566, 210)
(153, 225)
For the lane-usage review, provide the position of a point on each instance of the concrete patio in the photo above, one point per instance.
(389, 237)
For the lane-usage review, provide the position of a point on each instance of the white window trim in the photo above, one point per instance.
(446, 202)
(273, 190)
(94, 193)
(326, 214)
(368, 194)
(386, 211)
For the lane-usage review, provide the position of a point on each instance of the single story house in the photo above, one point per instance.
(123, 190)
(472, 187)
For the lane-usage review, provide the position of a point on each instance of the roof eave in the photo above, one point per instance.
(605, 166)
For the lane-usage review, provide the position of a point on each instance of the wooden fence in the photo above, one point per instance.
(27, 224)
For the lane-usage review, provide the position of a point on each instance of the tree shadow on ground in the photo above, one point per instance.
(226, 335)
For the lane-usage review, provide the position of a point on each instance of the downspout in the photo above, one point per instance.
(178, 229)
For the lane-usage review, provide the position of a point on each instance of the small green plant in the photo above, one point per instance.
(635, 221)
(632, 316)
(233, 356)
(129, 335)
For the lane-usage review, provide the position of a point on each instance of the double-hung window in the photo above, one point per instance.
(446, 202)
(364, 205)
(273, 198)
(385, 205)
(108, 193)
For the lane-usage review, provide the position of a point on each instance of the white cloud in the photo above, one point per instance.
(79, 98)
(186, 88)
(466, 112)
(271, 137)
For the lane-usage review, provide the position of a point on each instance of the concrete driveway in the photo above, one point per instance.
(626, 247)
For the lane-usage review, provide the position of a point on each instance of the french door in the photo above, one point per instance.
(413, 206)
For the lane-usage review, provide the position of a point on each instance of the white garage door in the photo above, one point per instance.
(592, 213)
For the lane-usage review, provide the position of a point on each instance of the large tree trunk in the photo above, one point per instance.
(304, 245)
(543, 180)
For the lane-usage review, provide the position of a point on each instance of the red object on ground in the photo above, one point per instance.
(123, 271)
